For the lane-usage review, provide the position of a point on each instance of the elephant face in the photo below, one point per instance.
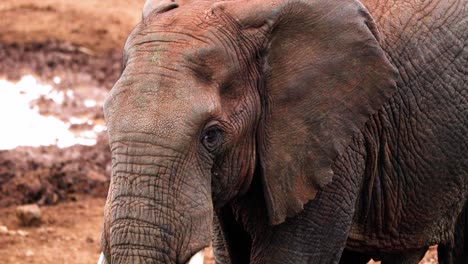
(188, 89)
(181, 122)
(214, 94)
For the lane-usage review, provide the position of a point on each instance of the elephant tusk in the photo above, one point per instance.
(197, 258)
(102, 259)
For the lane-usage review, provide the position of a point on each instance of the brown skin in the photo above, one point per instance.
(293, 128)
(167, 161)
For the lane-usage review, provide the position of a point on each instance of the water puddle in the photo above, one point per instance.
(22, 124)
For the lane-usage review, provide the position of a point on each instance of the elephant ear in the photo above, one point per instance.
(160, 6)
(325, 75)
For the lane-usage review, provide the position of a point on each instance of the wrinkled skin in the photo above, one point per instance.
(310, 131)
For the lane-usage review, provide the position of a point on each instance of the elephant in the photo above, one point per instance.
(290, 131)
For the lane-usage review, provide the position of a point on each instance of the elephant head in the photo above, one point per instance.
(215, 94)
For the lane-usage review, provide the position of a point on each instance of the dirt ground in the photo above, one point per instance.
(80, 42)
(70, 233)
(95, 25)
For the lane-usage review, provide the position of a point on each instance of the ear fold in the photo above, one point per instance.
(325, 75)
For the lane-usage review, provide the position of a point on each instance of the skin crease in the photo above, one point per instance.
(399, 183)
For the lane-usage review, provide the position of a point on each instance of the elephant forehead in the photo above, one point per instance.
(207, 56)
(167, 109)
(186, 40)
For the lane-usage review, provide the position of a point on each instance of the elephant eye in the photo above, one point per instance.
(211, 138)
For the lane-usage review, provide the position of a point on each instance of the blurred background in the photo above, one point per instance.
(58, 59)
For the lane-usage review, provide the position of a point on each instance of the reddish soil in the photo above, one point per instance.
(80, 42)
(70, 233)
(49, 175)
(94, 25)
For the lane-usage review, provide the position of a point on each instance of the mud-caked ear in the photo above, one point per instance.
(325, 75)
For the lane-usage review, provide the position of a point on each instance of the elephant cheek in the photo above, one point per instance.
(236, 178)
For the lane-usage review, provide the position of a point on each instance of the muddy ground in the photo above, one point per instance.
(80, 42)
(69, 233)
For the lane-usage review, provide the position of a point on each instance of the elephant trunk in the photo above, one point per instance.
(153, 213)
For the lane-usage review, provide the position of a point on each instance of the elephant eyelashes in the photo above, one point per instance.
(212, 138)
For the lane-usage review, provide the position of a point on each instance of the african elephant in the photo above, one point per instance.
(311, 131)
